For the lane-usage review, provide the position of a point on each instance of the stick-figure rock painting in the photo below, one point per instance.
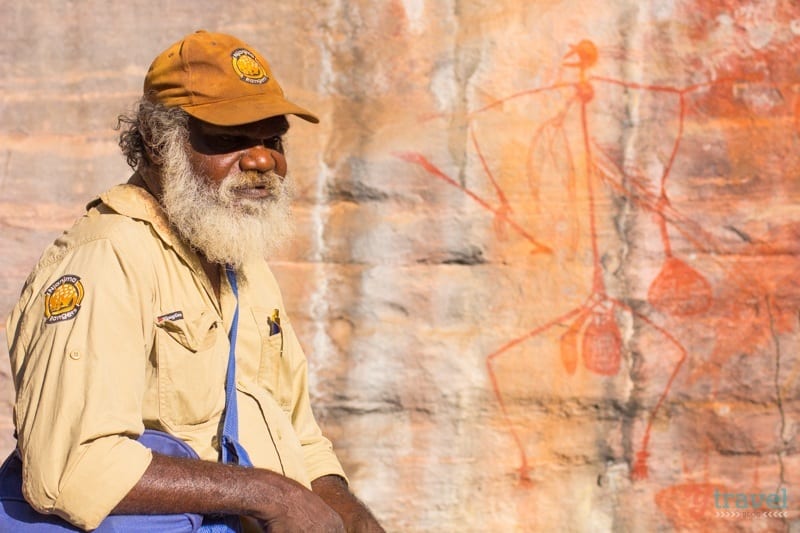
(564, 150)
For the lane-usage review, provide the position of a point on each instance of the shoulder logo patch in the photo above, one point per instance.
(62, 299)
(247, 67)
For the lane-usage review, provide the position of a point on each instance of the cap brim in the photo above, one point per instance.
(246, 110)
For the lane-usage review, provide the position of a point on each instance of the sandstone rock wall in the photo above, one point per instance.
(547, 265)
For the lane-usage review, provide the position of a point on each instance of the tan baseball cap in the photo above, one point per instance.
(218, 79)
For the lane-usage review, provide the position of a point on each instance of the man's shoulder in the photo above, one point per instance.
(100, 227)
(101, 222)
(100, 247)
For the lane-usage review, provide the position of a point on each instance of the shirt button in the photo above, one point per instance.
(75, 355)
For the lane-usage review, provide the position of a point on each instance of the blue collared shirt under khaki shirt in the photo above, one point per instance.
(118, 330)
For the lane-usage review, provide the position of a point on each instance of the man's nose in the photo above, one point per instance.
(260, 158)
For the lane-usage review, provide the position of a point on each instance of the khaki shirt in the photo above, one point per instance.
(118, 330)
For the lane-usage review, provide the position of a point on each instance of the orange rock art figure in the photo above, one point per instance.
(593, 336)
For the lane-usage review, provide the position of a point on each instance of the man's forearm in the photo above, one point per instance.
(176, 485)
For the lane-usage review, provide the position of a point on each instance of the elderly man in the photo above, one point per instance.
(131, 320)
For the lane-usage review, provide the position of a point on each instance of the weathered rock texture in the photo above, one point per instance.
(547, 267)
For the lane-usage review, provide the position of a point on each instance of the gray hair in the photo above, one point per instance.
(148, 129)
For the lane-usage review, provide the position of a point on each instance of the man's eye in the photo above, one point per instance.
(274, 143)
(224, 142)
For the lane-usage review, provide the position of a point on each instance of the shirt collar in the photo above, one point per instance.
(133, 199)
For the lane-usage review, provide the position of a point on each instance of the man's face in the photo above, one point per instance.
(226, 189)
(217, 152)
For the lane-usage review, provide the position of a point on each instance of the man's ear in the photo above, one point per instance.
(152, 176)
(153, 156)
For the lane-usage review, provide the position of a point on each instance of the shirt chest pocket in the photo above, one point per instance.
(192, 352)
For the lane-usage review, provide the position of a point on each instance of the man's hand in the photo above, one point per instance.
(176, 485)
(356, 516)
(299, 509)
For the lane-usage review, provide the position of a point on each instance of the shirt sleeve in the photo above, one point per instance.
(79, 362)
(318, 455)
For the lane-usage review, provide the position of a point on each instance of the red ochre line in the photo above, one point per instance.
(545, 135)
(500, 194)
(556, 122)
(663, 88)
(597, 278)
(541, 329)
(496, 385)
(644, 199)
(421, 160)
(643, 451)
(664, 210)
(664, 199)
(688, 228)
(593, 301)
(665, 240)
(636, 192)
(675, 147)
(526, 92)
(622, 83)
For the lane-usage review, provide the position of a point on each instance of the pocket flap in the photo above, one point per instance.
(194, 331)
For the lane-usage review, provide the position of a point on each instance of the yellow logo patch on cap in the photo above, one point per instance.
(62, 299)
(247, 67)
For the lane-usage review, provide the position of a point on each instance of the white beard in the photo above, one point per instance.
(226, 228)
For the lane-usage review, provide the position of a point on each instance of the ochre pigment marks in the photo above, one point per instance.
(593, 337)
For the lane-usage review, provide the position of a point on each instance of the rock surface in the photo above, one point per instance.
(547, 262)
